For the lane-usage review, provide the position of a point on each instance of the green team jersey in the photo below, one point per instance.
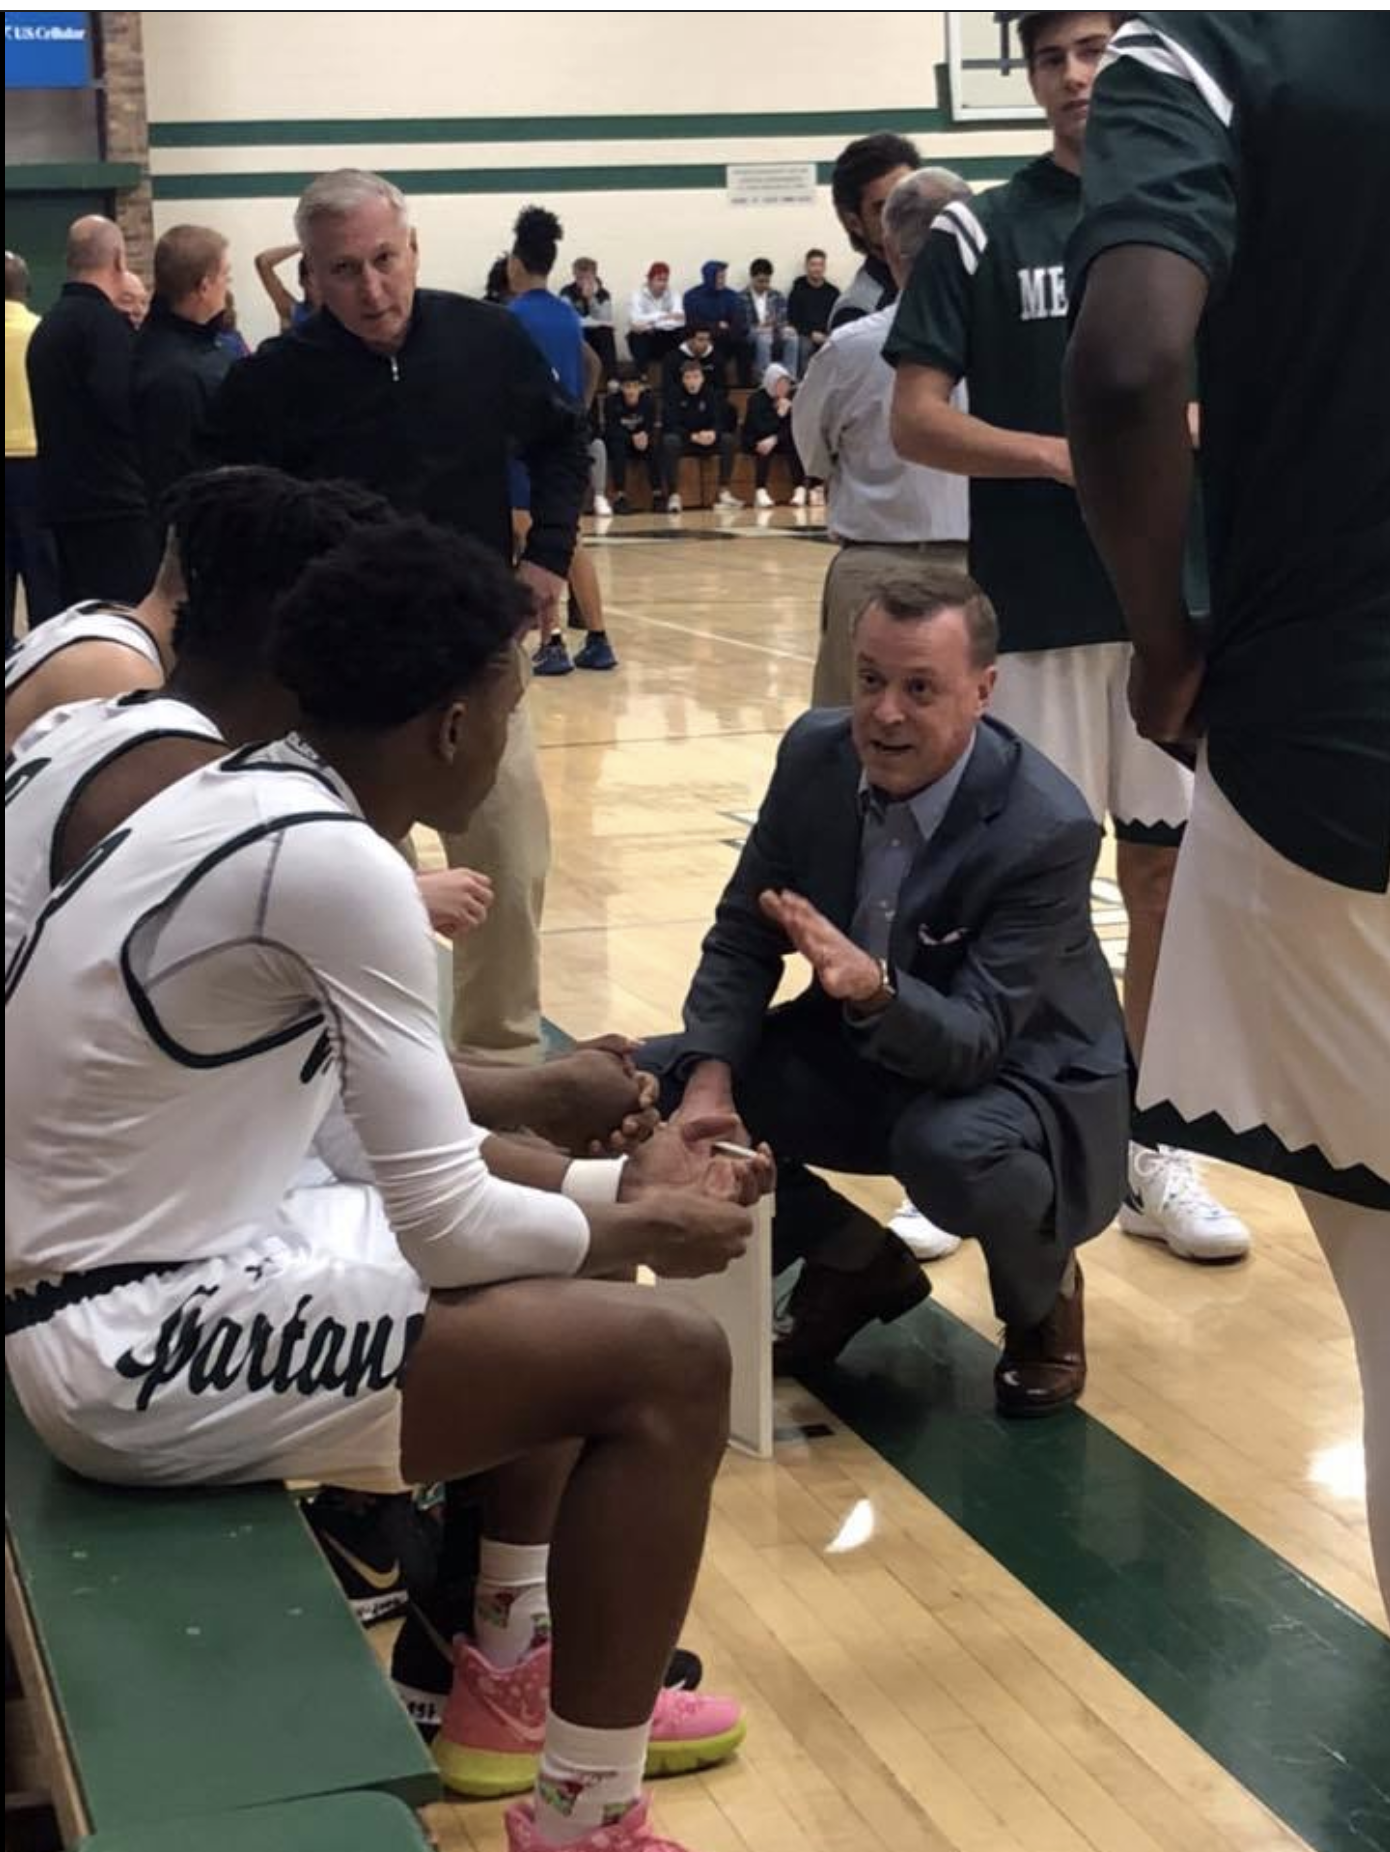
(1257, 146)
(987, 302)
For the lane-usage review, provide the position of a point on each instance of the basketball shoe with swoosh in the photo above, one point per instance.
(489, 1742)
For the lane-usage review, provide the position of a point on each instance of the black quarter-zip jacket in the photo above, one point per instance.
(431, 427)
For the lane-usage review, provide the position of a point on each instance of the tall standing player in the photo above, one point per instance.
(988, 304)
(1229, 156)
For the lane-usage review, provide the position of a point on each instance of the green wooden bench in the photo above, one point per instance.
(336, 1823)
(187, 1653)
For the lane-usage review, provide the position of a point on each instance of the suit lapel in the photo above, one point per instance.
(981, 795)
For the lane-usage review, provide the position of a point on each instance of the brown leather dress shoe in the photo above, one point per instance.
(1043, 1369)
(827, 1307)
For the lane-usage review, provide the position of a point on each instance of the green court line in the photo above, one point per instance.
(1280, 1683)
(641, 177)
(1276, 1679)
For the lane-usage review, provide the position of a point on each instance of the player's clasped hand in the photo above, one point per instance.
(692, 1235)
(457, 900)
(683, 1155)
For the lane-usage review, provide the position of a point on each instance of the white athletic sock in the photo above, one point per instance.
(511, 1608)
(588, 1778)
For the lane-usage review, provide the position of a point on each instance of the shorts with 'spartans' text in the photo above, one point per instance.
(278, 1361)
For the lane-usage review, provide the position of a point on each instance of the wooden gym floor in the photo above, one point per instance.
(1150, 1626)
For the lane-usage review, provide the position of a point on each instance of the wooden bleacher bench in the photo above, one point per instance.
(189, 1654)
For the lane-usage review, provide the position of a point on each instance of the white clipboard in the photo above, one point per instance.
(740, 1300)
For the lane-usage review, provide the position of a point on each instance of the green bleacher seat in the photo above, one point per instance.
(199, 1654)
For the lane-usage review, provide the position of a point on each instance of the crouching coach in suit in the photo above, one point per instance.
(961, 1031)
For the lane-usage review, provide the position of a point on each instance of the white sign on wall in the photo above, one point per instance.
(772, 183)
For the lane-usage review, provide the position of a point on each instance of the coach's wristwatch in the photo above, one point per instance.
(885, 994)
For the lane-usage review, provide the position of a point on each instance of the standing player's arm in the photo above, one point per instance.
(552, 440)
(928, 429)
(1127, 389)
(1157, 237)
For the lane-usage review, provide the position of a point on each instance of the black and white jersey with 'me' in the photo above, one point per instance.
(89, 622)
(178, 1013)
(45, 780)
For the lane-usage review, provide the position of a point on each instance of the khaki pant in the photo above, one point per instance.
(852, 575)
(497, 969)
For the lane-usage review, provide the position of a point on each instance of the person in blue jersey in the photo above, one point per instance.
(556, 329)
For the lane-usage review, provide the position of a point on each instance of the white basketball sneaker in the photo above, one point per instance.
(1167, 1201)
(762, 499)
(924, 1238)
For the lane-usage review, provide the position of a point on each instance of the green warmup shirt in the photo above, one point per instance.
(987, 302)
(1257, 146)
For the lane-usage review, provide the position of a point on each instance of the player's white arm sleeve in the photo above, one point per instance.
(811, 414)
(357, 926)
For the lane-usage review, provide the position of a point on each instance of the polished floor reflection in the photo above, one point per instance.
(1150, 1627)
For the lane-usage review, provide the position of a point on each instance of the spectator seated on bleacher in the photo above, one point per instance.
(593, 305)
(712, 304)
(695, 423)
(697, 345)
(767, 433)
(810, 305)
(769, 334)
(655, 323)
(630, 436)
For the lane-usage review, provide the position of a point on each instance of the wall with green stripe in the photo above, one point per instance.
(627, 122)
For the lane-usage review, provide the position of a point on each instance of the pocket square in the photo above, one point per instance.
(946, 938)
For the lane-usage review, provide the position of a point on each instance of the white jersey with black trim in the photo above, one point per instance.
(178, 1012)
(45, 780)
(89, 622)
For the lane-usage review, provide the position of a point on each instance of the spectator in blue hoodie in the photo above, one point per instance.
(712, 304)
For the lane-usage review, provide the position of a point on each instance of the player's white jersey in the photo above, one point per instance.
(177, 1012)
(90, 622)
(45, 780)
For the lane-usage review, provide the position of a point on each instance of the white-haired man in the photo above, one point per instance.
(422, 395)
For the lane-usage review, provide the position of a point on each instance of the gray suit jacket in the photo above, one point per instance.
(1000, 978)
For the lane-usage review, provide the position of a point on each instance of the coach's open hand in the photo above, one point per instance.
(843, 969)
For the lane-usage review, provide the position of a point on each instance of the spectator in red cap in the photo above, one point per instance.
(656, 323)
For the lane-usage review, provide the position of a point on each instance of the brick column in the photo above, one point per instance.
(127, 130)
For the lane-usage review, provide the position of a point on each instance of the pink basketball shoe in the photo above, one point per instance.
(489, 1743)
(630, 1834)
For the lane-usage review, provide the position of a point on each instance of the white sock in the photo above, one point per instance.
(511, 1608)
(588, 1778)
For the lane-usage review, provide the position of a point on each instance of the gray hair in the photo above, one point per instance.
(335, 195)
(95, 245)
(915, 202)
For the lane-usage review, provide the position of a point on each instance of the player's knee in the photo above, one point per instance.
(684, 1381)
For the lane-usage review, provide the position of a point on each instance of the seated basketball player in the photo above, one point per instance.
(178, 1311)
(92, 650)
(239, 539)
(95, 651)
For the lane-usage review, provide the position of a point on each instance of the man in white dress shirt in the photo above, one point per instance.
(883, 511)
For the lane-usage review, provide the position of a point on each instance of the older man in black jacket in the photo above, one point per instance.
(962, 1029)
(424, 395)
